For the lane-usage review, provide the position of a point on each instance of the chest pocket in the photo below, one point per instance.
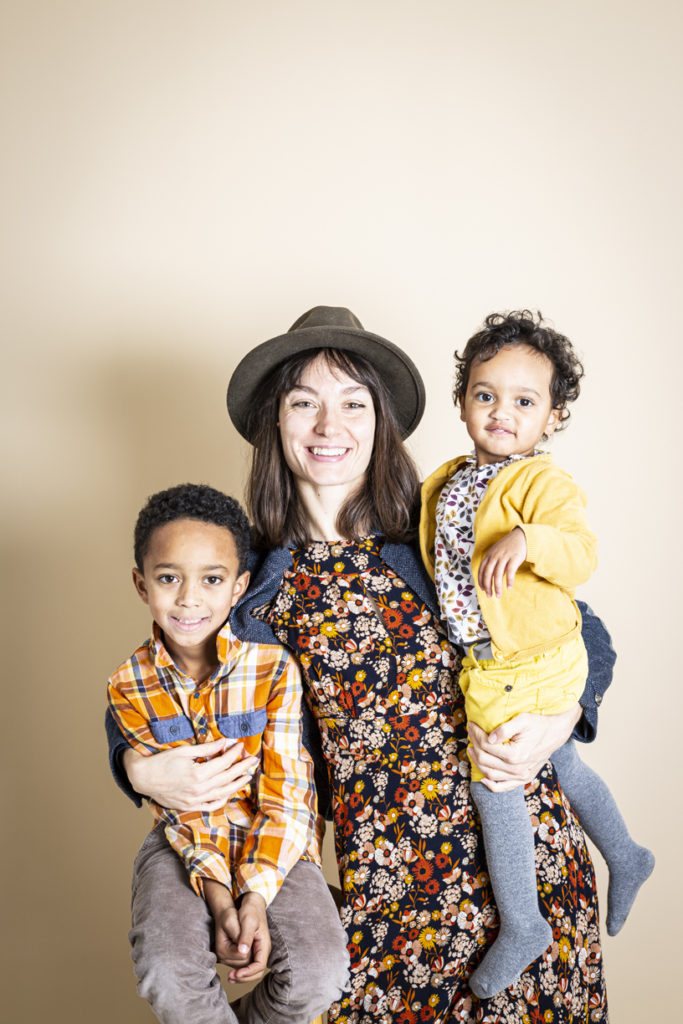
(243, 723)
(170, 730)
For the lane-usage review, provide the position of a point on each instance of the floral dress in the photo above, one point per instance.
(381, 680)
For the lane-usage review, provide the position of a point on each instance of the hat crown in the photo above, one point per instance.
(327, 316)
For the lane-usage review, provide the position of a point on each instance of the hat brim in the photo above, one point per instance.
(398, 372)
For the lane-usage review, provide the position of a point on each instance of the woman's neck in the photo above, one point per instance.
(321, 507)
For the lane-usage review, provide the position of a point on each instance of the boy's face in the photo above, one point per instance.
(190, 581)
(507, 406)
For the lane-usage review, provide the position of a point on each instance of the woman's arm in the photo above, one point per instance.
(173, 778)
(534, 738)
(514, 753)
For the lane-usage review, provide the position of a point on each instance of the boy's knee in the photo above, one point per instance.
(328, 971)
(180, 989)
(310, 958)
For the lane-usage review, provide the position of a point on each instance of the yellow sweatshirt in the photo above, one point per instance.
(539, 612)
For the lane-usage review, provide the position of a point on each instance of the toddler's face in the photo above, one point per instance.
(507, 406)
(190, 581)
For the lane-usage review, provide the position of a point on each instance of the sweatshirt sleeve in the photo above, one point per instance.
(560, 546)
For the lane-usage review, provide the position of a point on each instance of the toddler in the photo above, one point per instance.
(508, 515)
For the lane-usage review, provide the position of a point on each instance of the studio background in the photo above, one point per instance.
(179, 183)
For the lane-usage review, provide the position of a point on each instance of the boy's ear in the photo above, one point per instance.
(241, 584)
(140, 585)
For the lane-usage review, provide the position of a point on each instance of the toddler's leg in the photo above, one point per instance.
(171, 941)
(524, 933)
(629, 864)
(309, 960)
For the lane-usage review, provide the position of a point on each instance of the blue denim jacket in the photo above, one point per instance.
(267, 569)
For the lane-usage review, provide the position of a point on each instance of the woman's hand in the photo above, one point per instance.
(175, 778)
(532, 741)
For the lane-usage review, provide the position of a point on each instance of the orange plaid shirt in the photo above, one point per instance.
(254, 697)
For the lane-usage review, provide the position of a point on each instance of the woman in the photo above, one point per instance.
(332, 494)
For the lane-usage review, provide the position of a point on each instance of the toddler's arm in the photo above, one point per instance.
(553, 537)
(501, 562)
(560, 545)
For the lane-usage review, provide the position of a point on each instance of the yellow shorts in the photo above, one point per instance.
(546, 684)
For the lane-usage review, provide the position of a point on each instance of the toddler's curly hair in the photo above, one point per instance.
(522, 327)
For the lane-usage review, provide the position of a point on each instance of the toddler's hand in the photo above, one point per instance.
(501, 562)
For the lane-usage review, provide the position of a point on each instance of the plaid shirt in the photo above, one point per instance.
(254, 696)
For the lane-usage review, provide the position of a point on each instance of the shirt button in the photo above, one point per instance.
(173, 730)
(507, 689)
(598, 698)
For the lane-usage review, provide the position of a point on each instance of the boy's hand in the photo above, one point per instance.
(242, 938)
(501, 562)
(253, 944)
(226, 922)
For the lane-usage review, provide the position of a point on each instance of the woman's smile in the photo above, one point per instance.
(327, 453)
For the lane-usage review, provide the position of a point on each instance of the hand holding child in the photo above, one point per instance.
(501, 562)
(242, 938)
(175, 778)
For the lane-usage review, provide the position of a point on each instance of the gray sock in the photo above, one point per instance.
(629, 864)
(524, 933)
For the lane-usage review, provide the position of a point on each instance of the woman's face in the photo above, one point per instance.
(327, 428)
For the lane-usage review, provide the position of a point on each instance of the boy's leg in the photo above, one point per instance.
(629, 864)
(171, 941)
(308, 961)
(524, 933)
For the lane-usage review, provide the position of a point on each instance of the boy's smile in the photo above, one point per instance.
(190, 581)
(507, 407)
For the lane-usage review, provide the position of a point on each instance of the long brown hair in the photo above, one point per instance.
(387, 499)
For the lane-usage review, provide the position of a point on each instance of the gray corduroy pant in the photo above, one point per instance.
(171, 939)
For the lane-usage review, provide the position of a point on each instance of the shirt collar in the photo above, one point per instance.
(471, 460)
(227, 646)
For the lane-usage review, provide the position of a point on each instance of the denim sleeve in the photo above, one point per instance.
(601, 659)
(310, 735)
(117, 747)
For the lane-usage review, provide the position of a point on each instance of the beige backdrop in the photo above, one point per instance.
(181, 181)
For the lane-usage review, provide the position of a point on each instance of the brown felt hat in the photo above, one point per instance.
(329, 327)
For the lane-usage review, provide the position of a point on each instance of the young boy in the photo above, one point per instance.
(508, 514)
(256, 860)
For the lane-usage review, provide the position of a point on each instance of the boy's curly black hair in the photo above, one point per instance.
(192, 501)
(521, 327)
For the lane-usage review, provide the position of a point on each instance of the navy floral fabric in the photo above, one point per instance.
(381, 680)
